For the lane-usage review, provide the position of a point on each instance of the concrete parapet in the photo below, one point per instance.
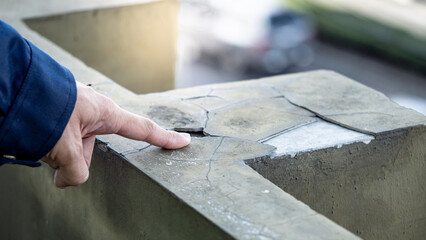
(305, 156)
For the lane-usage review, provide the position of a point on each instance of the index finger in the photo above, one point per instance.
(140, 128)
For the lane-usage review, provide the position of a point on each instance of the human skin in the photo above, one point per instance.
(95, 114)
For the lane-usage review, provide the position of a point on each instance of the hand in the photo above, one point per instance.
(95, 114)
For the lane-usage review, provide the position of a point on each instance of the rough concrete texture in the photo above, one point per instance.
(349, 103)
(118, 202)
(375, 190)
(256, 119)
(210, 190)
(169, 112)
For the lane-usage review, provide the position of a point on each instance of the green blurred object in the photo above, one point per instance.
(365, 33)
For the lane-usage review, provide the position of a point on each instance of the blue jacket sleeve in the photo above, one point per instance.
(37, 97)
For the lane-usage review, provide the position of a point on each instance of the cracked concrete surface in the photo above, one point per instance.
(287, 117)
(256, 119)
(348, 103)
(209, 189)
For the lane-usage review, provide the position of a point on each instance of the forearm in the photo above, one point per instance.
(38, 97)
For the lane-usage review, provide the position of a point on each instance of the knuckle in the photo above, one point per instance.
(110, 113)
(78, 180)
(150, 127)
(169, 139)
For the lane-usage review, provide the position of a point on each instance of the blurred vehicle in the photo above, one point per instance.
(251, 35)
(396, 33)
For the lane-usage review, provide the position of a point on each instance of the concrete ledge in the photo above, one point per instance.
(344, 149)
(118, 202)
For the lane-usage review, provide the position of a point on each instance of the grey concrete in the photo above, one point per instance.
(349, 103)
(169, 112)
(256, 119)
(208, 189)
(375, 190)
(118, 202)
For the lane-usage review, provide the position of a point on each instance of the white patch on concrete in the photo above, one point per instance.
(313, 136)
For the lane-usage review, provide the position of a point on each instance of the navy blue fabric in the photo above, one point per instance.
(37, 97)
(6, 160)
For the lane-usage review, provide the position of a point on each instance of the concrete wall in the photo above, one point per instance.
(376, 191)
(117, 202)
(206, 190)
(133, 45)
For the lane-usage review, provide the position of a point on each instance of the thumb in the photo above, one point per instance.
(63, 178)
(72, 171)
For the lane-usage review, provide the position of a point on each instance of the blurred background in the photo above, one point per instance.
(380, 43)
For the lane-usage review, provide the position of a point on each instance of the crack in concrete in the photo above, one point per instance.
(263, 140)
(189, 130)
(352, 113)
(211, 158)
(231, 192)
(199, 97)
(203, 96)
(133, 151)
(207, 119)
(325, 118)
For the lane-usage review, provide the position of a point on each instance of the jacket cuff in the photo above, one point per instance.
(41, 109)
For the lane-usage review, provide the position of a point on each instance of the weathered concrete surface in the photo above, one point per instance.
(226, 196)
(118, 202)
(375, 190)
(169, 112)
(207, 190)
(211, 176)
(349, 103)
(256, 119)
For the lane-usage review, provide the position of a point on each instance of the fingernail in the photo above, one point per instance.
(186, 136)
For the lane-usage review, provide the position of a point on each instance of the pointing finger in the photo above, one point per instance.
(140, 128)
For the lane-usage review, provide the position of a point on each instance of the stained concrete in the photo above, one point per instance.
(238, 178)
(169, 112)
(256, 119)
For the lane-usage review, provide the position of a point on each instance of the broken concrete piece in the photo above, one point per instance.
(256, 119)
(348, 103)
(233, 185)
(170, 112)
